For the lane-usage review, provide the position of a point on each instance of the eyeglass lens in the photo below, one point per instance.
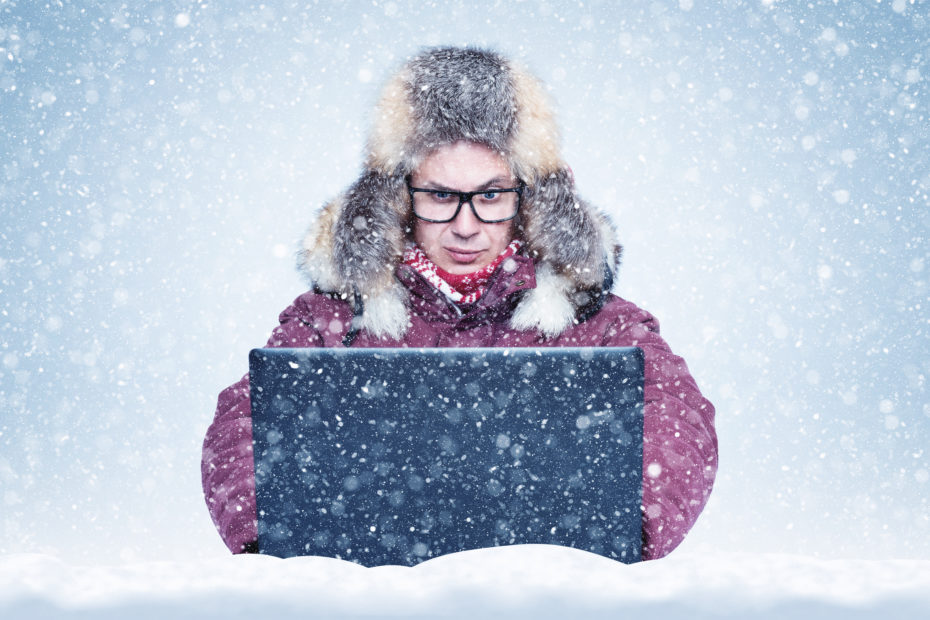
(490, 205)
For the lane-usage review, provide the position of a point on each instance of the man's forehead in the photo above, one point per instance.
(462, 161)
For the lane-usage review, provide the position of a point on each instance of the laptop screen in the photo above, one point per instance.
(395, 456)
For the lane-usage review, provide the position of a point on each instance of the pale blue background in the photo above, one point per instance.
(766, 164)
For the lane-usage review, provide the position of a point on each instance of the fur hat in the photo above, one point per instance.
(438, 97)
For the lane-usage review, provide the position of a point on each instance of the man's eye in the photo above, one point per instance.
(490, 195)
(441, 196)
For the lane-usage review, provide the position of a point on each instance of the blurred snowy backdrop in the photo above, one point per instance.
(767, 164)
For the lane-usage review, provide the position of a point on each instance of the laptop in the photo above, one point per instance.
(396, 456)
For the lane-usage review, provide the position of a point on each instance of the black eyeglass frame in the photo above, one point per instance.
(467, 197)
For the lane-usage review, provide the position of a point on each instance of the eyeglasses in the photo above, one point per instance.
(489, 205)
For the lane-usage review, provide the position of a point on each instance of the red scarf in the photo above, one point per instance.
(466, 288)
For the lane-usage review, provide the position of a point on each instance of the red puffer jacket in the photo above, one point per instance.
(680, 445)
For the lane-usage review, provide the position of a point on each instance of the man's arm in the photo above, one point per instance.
(227, 467)
(679, 440)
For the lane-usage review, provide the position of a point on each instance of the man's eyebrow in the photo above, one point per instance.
(498, 181)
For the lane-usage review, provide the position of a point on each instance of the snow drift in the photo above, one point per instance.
(522, 581)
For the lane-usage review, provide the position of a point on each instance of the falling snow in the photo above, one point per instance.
(767, 165)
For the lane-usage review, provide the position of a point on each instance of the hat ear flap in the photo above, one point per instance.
(562, 230)
(367, 241)
(368, 234)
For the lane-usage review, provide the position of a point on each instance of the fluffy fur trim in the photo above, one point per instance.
(439, 97)
(314, 260)
(385, 313)
(357, 239)
(548, 307)
(449, 94)
(563, 231)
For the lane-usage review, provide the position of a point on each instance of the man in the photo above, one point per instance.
(464, 230)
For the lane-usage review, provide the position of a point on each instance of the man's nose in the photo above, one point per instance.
(465, 223)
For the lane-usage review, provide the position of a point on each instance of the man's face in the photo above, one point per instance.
(465, 244)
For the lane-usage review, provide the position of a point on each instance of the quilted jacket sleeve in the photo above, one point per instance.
(227, 469)
(679, 440)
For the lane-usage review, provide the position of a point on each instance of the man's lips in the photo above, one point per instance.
(460, 255)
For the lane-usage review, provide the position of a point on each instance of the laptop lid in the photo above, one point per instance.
(394, 456)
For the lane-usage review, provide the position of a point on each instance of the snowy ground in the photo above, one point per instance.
(531, 581)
